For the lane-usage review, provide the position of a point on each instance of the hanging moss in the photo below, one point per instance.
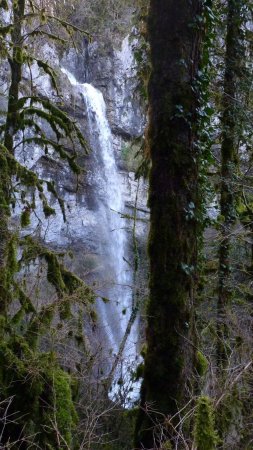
(9, 359)
(71, 281)
(39, 325)
(27, 177)
(205, 435)
(18, 317)
(48, 211)
(32, 249)
(25, 301)
(62, 206)
(65, 413)
(54, 274)
(139, 371)
(74, 166)
(62, 279)
(79, 335)
(25, 218)
(65, 310)
(12, 262)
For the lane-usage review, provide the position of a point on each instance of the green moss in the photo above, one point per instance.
(71, 281)
(65, 310)
(166, 446)
(39, 325)
(25, 218)
(54, 274)
(2, 324)
(201, 363)
(205, 435)
(230, 413)
(48, 211)
(12, 263)
(18, 55)
(4, 180)
(139, 371)
(93, 316)
(18, 317)
(32, 249)
(27, 177)
(46, 389)
(10, 360)
(25, 302)
(79, 335)
(65, 413)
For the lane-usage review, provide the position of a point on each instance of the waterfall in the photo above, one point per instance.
(116, 316)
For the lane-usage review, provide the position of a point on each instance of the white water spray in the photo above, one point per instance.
(116, 314)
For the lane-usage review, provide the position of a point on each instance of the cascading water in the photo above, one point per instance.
(117, 316)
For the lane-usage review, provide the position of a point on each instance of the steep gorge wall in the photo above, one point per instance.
(110, 67)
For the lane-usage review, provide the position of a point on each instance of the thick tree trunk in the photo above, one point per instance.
(174, 203)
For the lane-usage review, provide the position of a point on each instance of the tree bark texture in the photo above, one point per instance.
(175, 41)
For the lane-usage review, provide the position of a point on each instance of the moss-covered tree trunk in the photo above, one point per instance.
(11, 126)
(4, 231)
(230, 123)
(175, 41)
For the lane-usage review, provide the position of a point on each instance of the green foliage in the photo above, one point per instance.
(205, 436)
(202, 123)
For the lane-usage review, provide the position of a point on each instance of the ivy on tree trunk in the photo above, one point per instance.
(175, 39)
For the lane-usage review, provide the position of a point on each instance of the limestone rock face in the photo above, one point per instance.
(115, 75)
(111, 70)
